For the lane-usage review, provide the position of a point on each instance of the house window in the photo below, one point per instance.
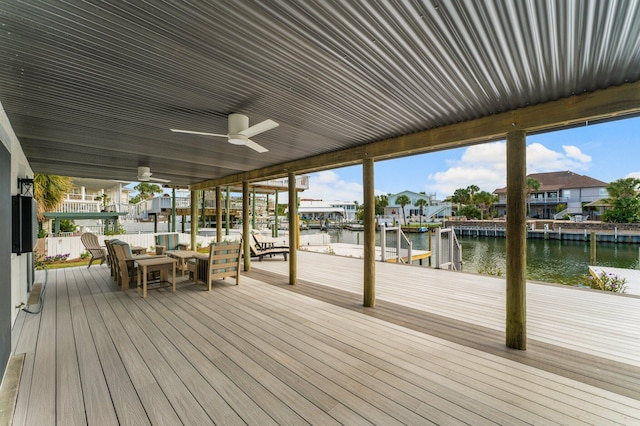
(566, 193)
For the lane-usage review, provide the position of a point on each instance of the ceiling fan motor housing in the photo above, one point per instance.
(237, 124)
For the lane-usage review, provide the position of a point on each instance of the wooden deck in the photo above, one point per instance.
(267, 353)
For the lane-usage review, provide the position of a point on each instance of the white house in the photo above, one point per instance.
(433, 208)
(332, 210)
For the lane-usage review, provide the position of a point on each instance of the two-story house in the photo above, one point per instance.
(433, 208)
(566, 188)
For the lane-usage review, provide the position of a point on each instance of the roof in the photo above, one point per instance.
(92, 89)
(561, 180)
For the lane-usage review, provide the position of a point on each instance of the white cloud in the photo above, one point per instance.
(328, 185)
(575, 153)
(485, 165)
(633, 175)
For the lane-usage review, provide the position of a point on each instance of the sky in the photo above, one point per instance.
(605, 151)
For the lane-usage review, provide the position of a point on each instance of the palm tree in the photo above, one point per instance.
(147, 190)
(403, 200)
(49, 191)
(421, 203)
(483, 200)
(533, 185)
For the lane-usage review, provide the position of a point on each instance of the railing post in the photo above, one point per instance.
(451, 238)
(438, 247)
(398, 244)
(383, 241)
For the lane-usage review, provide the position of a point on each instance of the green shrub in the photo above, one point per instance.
(605, 282)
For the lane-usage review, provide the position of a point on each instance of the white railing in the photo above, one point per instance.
(448, 250)
(393, 243)
(70, 206)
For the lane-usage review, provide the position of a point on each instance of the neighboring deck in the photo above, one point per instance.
(264, 352)
(356, 250)
(631, 275)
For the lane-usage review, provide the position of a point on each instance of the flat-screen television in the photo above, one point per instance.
(24, 232)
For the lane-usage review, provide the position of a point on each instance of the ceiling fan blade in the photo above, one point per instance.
(251, 144)
(191, 132)
(259, 128)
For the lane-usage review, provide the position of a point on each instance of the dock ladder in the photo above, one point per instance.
(394, 243)
(448, 250)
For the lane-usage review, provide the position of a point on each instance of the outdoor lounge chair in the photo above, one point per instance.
(92, 245)
(260, 253)
(263, 244)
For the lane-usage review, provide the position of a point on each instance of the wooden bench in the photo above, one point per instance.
(223, 261)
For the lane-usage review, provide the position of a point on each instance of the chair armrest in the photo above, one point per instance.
(182, 246)
(160, 249)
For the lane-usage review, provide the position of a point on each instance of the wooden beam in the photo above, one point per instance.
(576, 110)
(516, 327)
(293, 230)
(246, 232)
(369, 201)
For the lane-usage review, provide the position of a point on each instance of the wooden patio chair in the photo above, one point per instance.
(92, 245)
(166, 242)
(223, 261)
(126, 267)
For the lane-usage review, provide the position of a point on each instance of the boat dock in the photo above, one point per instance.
(631, 275)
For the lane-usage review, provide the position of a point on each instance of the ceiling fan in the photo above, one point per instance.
(239, 131)
(144, 175)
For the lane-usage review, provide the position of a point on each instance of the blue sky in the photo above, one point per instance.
(606, 151)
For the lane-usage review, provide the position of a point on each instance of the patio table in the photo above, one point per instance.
(162, 264)
(182, 256)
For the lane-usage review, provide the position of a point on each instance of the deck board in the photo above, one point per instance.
(267, 353)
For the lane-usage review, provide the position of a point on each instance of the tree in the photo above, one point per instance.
(533, 185)
(470, 212)
(403, 200)
(382, 201)
(483, 200)
(147, 190)
(625, 201)
(461, 196)
(49, 192)
(421, 202)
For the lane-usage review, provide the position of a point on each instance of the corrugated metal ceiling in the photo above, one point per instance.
(91, 88)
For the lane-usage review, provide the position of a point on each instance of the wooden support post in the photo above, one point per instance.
(194, 220)
(203, 213)
(369, 233)
(293, 230)
(218, 214)
(592, 248)
(227, 213)
(516, 327)
(253, 208)
(275, 222)
(173, 210)
(246, 232)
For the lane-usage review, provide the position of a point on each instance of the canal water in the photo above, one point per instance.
(553, 261)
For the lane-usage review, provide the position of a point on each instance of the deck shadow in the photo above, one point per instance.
(621, 378)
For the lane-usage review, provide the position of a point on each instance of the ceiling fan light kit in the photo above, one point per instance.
(239, 131)
(144, 175)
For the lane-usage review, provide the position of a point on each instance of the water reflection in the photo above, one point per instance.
(547, 260)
